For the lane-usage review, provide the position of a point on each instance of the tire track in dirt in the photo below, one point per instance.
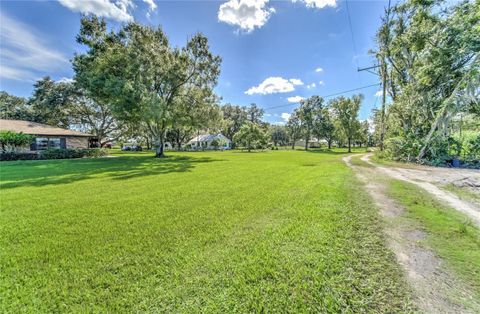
(414, 177)
(435, 290)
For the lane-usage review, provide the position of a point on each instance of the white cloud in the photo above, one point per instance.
(65, 80)
(310, 86)
(285, 116)
(246, 14)
(296, 82)
(23, 53)
(379, 93)
(295, 99)
(274, 84)
(321, 83)
(318, 70)
(151, 4)
(10, 73)
(115, 10)
(319, 4)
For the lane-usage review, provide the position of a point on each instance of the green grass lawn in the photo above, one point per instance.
(274, 231)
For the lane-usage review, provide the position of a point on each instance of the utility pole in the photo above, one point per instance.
(384, 99)
(383, 74)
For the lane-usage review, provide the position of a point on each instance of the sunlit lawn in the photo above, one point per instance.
(278, 231)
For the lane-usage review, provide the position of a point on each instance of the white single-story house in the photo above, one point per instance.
(312, 143)
(205, 142)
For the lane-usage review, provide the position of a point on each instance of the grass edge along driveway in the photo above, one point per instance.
(284, 231)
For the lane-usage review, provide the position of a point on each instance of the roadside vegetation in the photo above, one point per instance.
(210, 231)
(428, 59)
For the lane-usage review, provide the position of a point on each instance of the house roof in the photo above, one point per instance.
(207, 137)
(35, 128)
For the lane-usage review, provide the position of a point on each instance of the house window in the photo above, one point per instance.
(45, 142)
(54, 143)
(42, 143)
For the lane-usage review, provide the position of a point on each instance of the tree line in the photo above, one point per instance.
(132, 84)
(428, 57)
(335, 121)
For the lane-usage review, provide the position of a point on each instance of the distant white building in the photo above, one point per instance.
(312, 143)
(205, 142)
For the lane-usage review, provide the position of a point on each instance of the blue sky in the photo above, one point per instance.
(274, 52)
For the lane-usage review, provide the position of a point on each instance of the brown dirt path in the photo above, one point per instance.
(435, 289)
(428, 178)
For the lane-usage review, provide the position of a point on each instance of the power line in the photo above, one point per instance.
(351, 33)
(328, 96)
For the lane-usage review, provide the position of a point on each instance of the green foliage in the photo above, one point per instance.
(472, 151)
(282, 231)
(255, 114)
(294, 128)
(95, 152)
(66, 153)
(310, 115)
(234, 117)
(52, 102)
(12, 141)
(10, 156)
(156, 84)
(215, 144)
(251, 136)
(13, 107)
(279, 135)
(429, 50)
(400, 149)
(326, 128)
(346, 113)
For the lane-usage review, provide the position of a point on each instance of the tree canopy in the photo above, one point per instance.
(142, 77)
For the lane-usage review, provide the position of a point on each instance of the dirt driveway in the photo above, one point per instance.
(431, 179)
(435, 288)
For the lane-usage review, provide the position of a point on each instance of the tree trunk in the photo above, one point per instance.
(293, 144)
(349, 145)
(307, 138)
(329, 144)
(161, 143)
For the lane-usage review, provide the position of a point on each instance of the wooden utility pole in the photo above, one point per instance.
(383, 74)
(384, 99)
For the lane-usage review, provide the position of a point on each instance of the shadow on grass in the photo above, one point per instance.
(53, 172)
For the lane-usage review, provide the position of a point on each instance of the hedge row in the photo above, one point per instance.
(53, 153)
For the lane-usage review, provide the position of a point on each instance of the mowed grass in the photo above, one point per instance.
(283, 231)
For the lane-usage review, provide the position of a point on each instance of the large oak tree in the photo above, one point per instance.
(142, 77)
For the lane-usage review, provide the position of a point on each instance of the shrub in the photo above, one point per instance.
(11, 141)
(18, 156)
(401, 149)
(472, 152)
(215, 144)
(95, 152)
(53, 153)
